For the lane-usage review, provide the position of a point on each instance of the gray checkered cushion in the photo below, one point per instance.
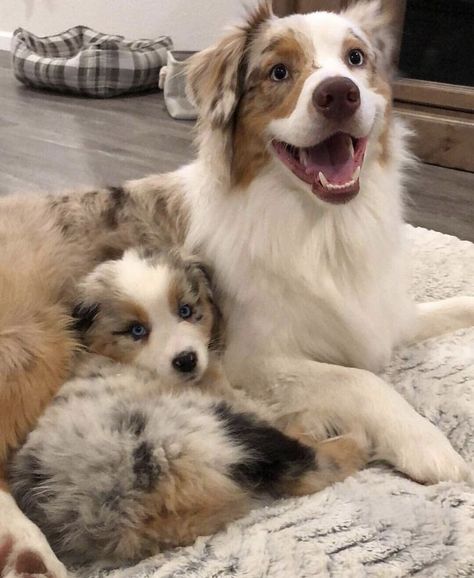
(86, 62)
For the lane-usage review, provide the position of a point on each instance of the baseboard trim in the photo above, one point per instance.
(5, 40)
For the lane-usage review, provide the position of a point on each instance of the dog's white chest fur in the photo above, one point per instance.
(299, 280)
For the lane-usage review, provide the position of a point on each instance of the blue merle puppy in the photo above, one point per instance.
(148, 446)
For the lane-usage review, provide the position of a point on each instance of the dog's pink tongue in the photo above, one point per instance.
(333, 157)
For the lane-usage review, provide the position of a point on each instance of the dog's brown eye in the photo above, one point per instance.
(356, 57)
(279, 72)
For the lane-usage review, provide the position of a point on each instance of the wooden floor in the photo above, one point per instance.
(51, 142)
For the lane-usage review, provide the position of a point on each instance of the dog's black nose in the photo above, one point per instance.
(185, 361)
(336, 98)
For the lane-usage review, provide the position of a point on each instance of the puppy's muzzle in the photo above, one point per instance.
(185, 362)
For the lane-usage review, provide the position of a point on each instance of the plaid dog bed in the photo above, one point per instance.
(86, 62)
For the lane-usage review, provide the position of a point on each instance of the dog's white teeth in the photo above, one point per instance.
(323, 180)
(330, 187)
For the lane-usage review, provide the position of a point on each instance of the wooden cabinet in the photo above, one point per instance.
(435, 90)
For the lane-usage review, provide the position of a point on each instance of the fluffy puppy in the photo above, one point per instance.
(148, 446)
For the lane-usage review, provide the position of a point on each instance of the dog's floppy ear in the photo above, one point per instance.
(213, 78)
(216, 75)
(377, 24)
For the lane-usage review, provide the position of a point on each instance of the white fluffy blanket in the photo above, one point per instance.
(376, 523)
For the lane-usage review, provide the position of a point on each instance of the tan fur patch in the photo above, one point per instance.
(39, 355)
(265, 100)
(37, 273)
(6, 547)
(378, 82)
(116, 314)
(213, 85)
(342, 455)
(353, 42)
(29, 563)
(336, 459)
(175, 294)
(190, 502)
(376, 25)
(214, 75)
(382, 86)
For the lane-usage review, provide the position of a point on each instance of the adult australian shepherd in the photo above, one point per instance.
(295, 199)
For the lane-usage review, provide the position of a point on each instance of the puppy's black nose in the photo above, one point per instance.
(185, 361)
(337, 98)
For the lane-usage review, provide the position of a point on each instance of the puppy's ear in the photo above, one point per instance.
(377, 24)
(206, 274)
(84, 315)
(217, 341)
(195, 267)
(202, 273)
(216, 75)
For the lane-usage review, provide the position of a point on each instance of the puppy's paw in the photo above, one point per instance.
(25, 553)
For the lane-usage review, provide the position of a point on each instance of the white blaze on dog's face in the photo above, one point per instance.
(306, 95)
(155, 312)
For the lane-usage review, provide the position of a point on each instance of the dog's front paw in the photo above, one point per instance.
(427, 457)
(25, 553)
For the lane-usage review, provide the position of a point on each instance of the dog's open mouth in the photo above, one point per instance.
(331, 167)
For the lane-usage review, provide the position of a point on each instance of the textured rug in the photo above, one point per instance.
(377, 523)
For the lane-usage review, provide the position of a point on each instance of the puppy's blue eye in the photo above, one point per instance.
(185, 311)
(279, 72)
(138, 331)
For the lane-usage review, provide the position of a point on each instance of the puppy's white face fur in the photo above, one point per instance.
(154, 288)
(153, 312)
(312, 100)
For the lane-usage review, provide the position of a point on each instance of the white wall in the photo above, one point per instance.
(192, 24)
